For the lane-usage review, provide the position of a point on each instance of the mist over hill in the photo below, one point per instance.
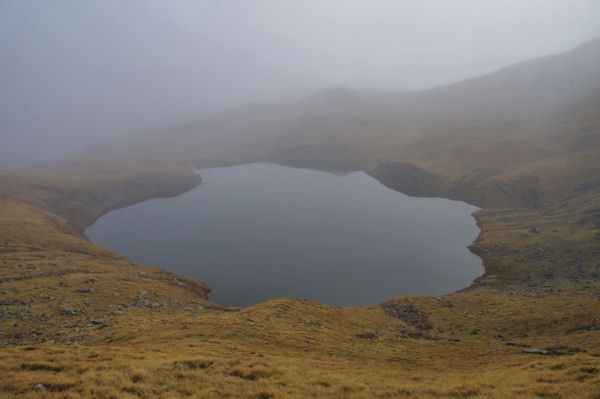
(74, 73)
(484, 127)
(528, 92)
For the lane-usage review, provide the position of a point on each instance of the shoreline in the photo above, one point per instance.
(478, 275)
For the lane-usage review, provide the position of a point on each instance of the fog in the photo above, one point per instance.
(73, 72)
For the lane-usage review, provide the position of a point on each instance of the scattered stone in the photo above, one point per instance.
(561, 350)
(477, 250)
(116, 309)
(41, 386)
(116, 294)
(68, 311)
(16, 332)
(143, 302)
(584, 328)
(534, 230)
(5, 303)
(196, 317)
(535, 351)
(83, 290)
(476, 331)
(368, 335)
(252, 320)
(408, 314)
(97, 321)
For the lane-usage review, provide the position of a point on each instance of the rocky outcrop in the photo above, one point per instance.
(405, 177)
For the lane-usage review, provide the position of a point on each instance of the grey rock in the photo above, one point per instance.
(68, 311)
(83, 290)
(41, 386)
(143, 302)
(535, 351)
(368, 335)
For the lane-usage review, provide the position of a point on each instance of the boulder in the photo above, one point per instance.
(535, 351)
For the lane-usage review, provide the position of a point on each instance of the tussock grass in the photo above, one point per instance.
(51, 348)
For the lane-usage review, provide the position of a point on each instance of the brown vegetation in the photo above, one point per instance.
(77, 320)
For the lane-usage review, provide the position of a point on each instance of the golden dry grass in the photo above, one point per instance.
(78, 320)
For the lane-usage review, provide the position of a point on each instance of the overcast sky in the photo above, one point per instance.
(73, 71)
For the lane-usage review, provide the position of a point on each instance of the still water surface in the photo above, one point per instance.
(260, 231)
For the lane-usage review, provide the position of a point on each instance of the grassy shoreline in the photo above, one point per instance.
(83, 321)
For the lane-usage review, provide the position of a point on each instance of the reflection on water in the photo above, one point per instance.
(261, 231)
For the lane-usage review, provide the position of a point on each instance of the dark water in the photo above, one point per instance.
(262, 231)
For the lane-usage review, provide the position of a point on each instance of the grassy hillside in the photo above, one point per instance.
(77, 320)
(81, 321)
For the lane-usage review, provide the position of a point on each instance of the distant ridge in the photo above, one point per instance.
(525, 92)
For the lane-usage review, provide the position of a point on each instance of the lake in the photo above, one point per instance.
(260, 231)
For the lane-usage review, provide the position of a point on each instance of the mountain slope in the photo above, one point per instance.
(520, 94)
(467, 138)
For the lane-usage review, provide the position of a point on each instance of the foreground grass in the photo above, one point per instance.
(196, 368)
